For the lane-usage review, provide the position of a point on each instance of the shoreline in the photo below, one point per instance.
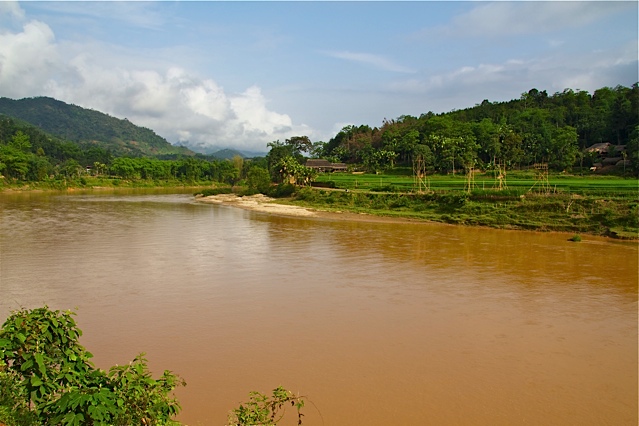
(263, 204)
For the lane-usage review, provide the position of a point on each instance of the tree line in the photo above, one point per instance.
(28, 155)
(537, 128)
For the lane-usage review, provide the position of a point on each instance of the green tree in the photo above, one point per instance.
(71, 168)
(258, 179)
(633, 150)
(125, 167)
(300, 144)
(20, 141)
(14, 163)
(563, 151)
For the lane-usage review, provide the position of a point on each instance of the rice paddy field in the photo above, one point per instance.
(519, 181)
(598, 205)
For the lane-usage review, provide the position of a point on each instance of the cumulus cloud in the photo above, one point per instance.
(27, 58)
(376, 61)
(179, 105)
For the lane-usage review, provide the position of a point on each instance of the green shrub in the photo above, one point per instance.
(327, 184)
(307, 194)
(51, 374)
(266, 411)
(385, 188)
(258, 180)
(282, 190)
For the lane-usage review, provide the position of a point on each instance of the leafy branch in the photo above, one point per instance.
(262, 410)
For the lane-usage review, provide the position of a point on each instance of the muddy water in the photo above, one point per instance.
(376, 323)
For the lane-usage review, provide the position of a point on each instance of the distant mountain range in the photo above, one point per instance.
(88, 127)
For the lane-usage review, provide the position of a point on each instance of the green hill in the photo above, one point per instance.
(90, 128)
(227, 154)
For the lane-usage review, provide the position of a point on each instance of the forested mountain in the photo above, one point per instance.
(89, 128)
(537, 128)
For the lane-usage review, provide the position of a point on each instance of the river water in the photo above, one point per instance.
(376, 323)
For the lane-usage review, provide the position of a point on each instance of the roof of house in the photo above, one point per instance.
(599, 147)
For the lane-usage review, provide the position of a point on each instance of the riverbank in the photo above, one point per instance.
(263, 204)
(609, 216)
(534, 212)
(93, 183)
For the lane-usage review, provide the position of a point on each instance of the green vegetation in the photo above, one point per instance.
(401, 180)
(537, 128)
(594, 205)
(88, 128)
(36, 160)
(521, 164)
(46, 378)
(266, 411)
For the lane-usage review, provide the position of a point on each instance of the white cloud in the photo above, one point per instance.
(11, 8)
(27, 58)
(529, 17)
(468, 85)
(376, 61)
(177, 104)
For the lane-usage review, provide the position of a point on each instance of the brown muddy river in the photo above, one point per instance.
(376, 323)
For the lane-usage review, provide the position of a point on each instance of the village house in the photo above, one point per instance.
(607, 155)
(325, 165)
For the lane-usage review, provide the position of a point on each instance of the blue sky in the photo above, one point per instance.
(241, 74)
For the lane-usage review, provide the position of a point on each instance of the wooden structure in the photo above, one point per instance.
(541, 178)
(420, 183)
(325, 165)
(470, 179)
(500, 177)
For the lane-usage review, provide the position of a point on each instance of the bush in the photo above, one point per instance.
(453, 198)
(264, 410)
(52, 376)
(307, 194)
(385, 188)
(282, 190)
(327, 184)
(259, 180)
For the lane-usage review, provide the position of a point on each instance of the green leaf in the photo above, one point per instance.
(35, 381)
(26, 365)
(40, 361)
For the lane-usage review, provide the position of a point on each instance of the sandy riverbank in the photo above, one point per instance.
(263, 204)
(258, 203)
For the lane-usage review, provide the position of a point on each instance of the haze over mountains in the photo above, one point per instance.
(88, 127)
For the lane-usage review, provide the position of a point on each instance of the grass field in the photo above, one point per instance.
(519, 181)
(600, 205)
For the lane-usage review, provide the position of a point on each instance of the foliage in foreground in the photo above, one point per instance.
(266, 411)
(46, 378)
